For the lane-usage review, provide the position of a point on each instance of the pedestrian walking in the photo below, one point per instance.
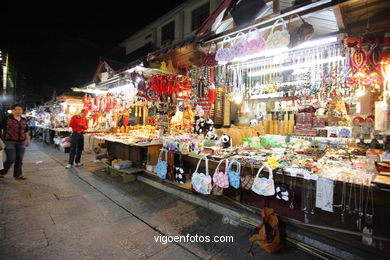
(31, 122)
(14, 132)
(79, 124)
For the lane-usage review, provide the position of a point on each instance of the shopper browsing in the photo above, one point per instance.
(79, 124)
(14, 132)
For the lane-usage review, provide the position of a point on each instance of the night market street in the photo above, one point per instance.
(74, 214)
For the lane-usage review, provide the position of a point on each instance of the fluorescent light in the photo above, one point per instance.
(296, 66)
(121, 88)
(273, 52)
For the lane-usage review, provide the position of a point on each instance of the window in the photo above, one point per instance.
(199, 15)
(168, 32)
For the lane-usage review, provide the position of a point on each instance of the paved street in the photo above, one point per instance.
(77, 214)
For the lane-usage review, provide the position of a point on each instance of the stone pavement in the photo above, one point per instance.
(77, 214)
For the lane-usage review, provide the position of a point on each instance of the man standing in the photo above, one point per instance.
(79, 124)
(14, 131)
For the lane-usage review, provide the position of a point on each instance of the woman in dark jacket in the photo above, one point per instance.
(14, 132)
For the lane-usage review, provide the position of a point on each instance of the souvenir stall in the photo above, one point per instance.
(134, 111)
(279, 118)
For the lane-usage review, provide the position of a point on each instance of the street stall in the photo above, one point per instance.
(289, 112)
(290, 116)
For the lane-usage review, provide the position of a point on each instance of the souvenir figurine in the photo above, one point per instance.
(199, 125)
(209, 125)
(226, 141)
(253, 122)
(211, 136)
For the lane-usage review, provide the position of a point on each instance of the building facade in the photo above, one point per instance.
(175, 26)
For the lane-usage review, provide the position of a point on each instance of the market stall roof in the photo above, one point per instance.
(186, 49)
(326, 16)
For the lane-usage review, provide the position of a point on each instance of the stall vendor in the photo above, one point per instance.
(79, 124)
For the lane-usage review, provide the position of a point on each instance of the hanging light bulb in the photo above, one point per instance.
(360, 92)
(238, 99)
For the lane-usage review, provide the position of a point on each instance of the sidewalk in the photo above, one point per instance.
(75, 214)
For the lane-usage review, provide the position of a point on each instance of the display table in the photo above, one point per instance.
(140, 154)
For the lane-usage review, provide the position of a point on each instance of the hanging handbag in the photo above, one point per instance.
(202, 182)
(179, 171)
(234, 176)
(237, 49)
(209, 59)
(224, 54)
(303, 33)
(254, 45)
(221, 179)
(262, 185)
(162, 166)
(247, 180)
(278, 39)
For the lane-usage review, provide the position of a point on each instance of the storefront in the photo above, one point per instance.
(287, 113)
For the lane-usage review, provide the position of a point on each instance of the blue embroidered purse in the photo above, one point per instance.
(162, 166)
(234, 176)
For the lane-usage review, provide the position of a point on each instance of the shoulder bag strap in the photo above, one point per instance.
(258, 172)
(238, 166)
(200, 160)
(271, 176)
(277, 23)
(217, 168)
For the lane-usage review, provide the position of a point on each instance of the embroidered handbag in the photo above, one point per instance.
(234, 176)
(224, 54)
(262, 185)
(221, 179)
(237, 49)
(254, 45)
(202, 182)
(278, 39)
(162, 166)
(209, 59)
(303, 33)
(247, 179)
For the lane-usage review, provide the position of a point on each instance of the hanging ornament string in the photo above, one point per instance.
(360, 207)
(369, 217)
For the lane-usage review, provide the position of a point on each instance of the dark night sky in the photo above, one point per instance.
(59, 45)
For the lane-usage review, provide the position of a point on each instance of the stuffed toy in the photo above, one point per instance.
(211, 136)
(226, 141)
(209, 125)
(179, 175)
(199, 125)
(253, 122)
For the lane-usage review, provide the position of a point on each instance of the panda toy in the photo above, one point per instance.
(211, 136)
(199, 125)
(253, 122)
(209, 125)
(226, 141)
(179, 175)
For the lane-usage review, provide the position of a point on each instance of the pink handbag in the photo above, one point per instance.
(221, 179)
(255, 45)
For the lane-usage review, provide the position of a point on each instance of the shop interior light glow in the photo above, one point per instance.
(273, 52)
(122, 88)
(296, 66)
(360, 92)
